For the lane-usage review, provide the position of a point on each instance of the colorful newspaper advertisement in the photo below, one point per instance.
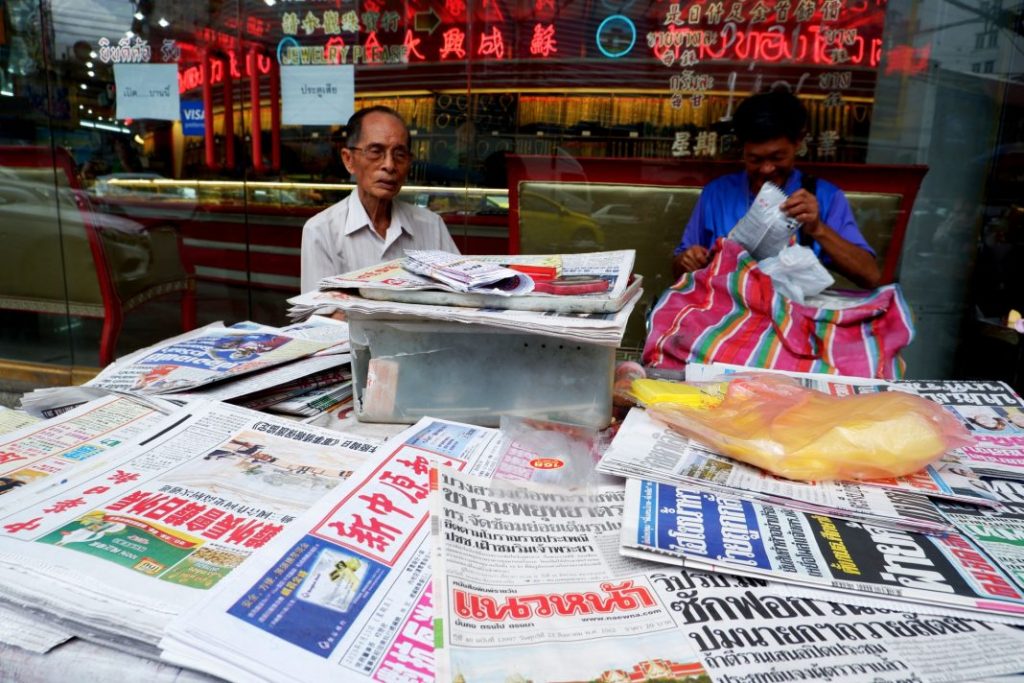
(53, 448)
(644, 447)
(207, 356)
(128, 545)
(707, 531)
(344, 593)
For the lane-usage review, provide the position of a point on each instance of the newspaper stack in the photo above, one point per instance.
(344, 593)
(212, 354)
(567, 610)
(303, 367)
(116, 549)
(389, 290)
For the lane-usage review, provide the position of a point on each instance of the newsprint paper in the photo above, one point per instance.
(528, 588)
(344, 593)
(129, 544)
(703, 530)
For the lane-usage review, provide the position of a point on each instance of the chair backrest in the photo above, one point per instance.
(584, 204)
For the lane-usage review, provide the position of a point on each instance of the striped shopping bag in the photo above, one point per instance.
(729, 312)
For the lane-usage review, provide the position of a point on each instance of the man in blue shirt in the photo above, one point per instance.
(771, 126)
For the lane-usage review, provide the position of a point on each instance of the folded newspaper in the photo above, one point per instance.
(210, 355)
(464, 274)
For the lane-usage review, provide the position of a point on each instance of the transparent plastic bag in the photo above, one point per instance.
(778, 425)
(796, 273)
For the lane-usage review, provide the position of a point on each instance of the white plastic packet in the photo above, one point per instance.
(797, 273)
(764, 230)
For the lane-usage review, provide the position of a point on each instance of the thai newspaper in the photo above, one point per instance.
(646, 448)
(156, 523)
(43, 451)
(345, 593)
(999, 532)
(703, 530)
(613, 266)
(529, 586)
(605, 328)
(208, 355)
(994, 414)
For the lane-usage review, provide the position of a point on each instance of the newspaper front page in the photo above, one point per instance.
(707, 531)
(528, 588)
(529, 585)
(344, 594)
(126, 546)
(994, 414)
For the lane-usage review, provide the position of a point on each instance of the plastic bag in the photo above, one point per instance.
(764, 230)
(552, 453)
(775, 423)
(797, 273)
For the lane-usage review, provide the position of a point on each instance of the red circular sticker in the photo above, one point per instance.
(546, 463)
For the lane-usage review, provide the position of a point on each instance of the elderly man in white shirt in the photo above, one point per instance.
(370, 226)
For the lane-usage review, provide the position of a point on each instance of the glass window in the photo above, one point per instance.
(143, 216)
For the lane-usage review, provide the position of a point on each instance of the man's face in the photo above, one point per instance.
(770, 161)
(382, 136)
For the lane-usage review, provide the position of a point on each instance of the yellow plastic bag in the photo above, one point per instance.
(775, 423)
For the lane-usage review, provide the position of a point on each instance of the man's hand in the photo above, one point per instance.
(846, 258)
(803, 206)
(694, 258)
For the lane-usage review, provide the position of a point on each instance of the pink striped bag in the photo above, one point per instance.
(729, 312)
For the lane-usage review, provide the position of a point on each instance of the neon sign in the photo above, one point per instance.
(804, 45)
(192, 77)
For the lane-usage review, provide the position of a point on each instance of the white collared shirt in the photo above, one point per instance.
(341, 238)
